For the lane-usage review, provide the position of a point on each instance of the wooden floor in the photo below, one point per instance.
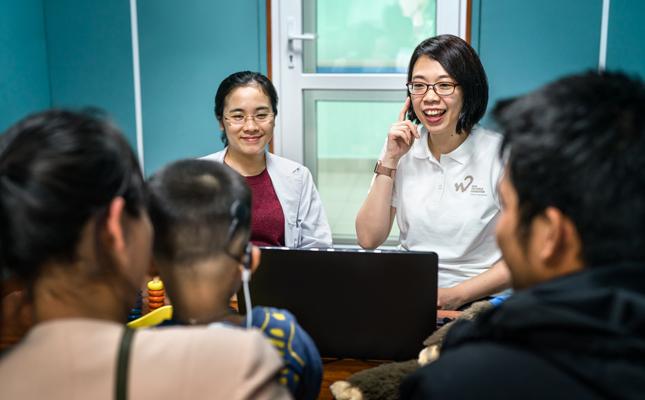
(338, 370)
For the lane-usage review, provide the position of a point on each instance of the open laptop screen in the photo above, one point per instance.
(353, 303)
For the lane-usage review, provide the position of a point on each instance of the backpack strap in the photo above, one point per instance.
(122, 364)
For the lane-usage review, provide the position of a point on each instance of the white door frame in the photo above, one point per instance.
(290, 82)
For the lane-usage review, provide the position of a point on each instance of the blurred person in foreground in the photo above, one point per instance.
(572, 234)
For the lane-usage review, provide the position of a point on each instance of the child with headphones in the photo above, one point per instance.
(201, 213)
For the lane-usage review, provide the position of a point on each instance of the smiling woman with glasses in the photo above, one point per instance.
(286, 207)
(438, 173)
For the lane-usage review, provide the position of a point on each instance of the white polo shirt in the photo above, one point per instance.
(451, 206)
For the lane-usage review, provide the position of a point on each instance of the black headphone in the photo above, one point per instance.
(240, 218)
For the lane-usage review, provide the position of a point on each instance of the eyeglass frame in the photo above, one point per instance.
(270, 117)
(433, 86)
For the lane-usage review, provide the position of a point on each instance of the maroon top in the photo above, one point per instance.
(267, 218)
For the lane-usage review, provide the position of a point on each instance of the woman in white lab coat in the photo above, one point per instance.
(286, 209)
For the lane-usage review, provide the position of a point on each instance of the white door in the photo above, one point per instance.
(340, 70)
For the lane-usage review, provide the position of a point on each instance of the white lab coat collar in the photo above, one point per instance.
(305, 221)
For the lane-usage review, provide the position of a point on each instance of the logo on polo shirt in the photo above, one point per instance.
(468, 183)
(463, 186)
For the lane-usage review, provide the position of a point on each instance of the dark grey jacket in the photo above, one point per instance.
(577, 337)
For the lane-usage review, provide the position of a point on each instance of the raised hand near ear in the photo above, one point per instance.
(400, 138)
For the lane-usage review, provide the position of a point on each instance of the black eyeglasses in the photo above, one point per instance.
(440, 88)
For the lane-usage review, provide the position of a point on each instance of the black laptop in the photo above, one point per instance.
(361, 304)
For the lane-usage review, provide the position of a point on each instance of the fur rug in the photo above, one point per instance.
(382, 382)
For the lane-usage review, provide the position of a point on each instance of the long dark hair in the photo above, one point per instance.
(57, 169)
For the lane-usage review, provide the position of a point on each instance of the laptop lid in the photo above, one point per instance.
(359, 304)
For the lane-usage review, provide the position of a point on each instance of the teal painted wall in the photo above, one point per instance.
(186, 49)
(524, 44)
(90, 57)
(82, 51)
(626, 37)
(24, 80)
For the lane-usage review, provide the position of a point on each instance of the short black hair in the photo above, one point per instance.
(190, 203)
(577, 144)
(57, 170)
(239, 79)
(462, 63)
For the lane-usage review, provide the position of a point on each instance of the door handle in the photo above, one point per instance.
(291, 36)
(302, 36)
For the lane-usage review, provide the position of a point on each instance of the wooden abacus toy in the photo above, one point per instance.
(156, 294)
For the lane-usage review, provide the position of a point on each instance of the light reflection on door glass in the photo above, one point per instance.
(365, 36)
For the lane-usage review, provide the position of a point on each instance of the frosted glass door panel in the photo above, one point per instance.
(344, 137)
(365, 36)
